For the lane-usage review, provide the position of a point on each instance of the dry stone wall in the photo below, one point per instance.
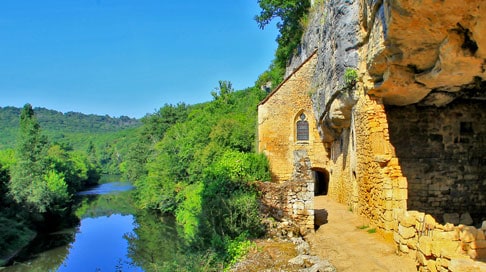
(438, 247)
(292, 201)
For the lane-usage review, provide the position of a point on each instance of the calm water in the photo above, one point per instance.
(112, 236)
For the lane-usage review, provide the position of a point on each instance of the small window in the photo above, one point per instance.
(303, 128)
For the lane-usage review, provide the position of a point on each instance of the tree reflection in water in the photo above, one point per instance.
(154, 244)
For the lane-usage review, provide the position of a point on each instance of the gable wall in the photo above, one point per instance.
(276, 124)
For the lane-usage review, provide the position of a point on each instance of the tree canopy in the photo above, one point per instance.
(290, 15)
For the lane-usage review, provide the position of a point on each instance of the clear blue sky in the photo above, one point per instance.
(127, 57)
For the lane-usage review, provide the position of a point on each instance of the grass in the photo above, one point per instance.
(373, 230)
(363, 227)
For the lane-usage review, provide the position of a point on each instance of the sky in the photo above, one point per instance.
(127, 57)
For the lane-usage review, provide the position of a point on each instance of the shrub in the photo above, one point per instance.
(350, 77)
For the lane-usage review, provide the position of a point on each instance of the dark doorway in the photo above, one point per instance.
(321, 179)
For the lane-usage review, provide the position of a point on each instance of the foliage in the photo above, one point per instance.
(27, 185)
(291, 14)
(371, 231)
(273, 75)
(14, 234)
(37, 181)
(238, 248)
(350, 77)
(105, 138)
(153, 130)
(203, 169)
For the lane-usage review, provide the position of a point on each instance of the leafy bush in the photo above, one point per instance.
(237, 249)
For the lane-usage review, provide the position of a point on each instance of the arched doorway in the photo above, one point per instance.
(321, 182)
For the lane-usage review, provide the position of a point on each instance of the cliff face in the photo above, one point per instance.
(423, 51)
(428, 52)
(410, 134)
(335, 31)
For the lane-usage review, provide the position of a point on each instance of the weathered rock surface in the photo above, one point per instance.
(423, 49)
(407, 52)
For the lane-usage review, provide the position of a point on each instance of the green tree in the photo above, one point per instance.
(154, 129)
(27, 185)
(290, 13)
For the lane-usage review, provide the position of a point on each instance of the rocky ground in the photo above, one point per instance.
(342, 243)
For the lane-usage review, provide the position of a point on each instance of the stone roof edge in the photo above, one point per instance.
(287, 78)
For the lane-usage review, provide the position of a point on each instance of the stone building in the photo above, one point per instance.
(406, 145)
(288, 136)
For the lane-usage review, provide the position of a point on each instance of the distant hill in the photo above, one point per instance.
(57, 125)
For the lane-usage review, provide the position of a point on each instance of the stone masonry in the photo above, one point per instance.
(291, 161)
(405, 146)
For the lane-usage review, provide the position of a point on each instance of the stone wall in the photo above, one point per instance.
(292, 201)
(277, 116)
(442, 152)
(365, 173)
(438, 247)
(386, 159)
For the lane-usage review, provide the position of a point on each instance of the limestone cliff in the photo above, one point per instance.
(428, 52)
(410, 134)
(423, 50)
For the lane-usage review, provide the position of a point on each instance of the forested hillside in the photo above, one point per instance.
(108, 136)
(57, 124)
(38, 180)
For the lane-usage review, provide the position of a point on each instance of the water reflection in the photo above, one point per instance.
(99, 245)
(111, 236)
(154, 244)
(108, 188)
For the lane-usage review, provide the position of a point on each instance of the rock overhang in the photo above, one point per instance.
(428, 52)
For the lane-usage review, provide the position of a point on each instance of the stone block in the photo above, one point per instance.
(389, 225)
(478, 244)
(407, 219)
(405, 232)
(412, 243)
(443, 262)
(393, 162)
(425, 245)
(402, 183)
(430, 221)
(465, 219)
(397, 238)
(466, 265)
(400, 194)
(446, 235)
(388, 215)
(445, 249)
(388, 194)
(452, 218)
(431, 266)
(421, 259)
(403, 248)
(468, 234)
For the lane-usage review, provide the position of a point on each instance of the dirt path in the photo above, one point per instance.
(349, 248)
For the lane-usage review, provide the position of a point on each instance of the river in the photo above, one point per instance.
(111, 236)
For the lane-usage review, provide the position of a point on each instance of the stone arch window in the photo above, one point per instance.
(302, 128)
